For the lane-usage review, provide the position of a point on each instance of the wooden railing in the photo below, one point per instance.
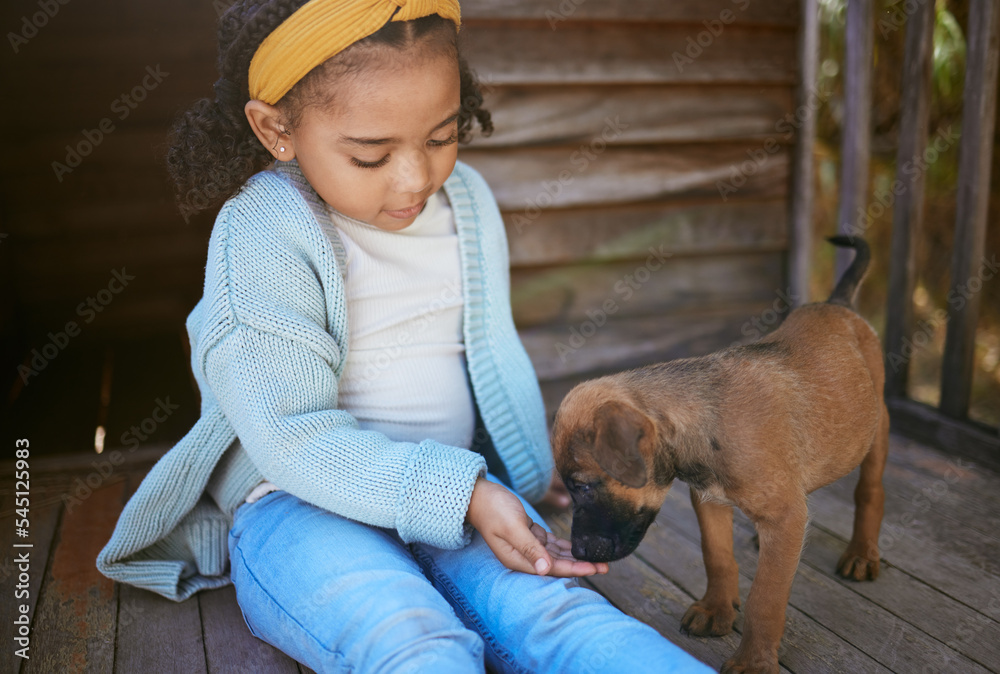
(948, 425)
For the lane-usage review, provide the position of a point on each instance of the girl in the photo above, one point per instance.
(360, 371)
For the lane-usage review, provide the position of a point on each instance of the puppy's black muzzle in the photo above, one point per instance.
(605, 534)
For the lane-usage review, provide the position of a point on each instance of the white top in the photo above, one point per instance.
(405, 374)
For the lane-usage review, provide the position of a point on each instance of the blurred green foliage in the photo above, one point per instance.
(933, 250)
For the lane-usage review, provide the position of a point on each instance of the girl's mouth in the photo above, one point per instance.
(406, 213)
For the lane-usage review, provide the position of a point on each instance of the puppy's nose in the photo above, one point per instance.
(593, 548)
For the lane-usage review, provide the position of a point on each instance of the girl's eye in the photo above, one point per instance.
(370, 164)
(447, 141)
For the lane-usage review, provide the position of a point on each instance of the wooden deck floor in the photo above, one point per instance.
(935, 607)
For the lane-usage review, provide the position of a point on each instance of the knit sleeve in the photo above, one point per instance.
(280, 397)
(271, 349)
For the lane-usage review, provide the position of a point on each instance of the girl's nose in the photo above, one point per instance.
(413, 174)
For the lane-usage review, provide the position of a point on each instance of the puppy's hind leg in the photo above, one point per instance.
(860, 560)
(713, 614)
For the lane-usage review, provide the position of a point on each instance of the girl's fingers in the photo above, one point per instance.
(564, 564)
(531, 547)
(564, 568)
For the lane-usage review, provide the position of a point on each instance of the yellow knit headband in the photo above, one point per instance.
(321, 28)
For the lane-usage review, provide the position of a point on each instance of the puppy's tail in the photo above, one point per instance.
(847, 288)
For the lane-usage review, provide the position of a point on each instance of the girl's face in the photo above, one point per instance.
(387, 143)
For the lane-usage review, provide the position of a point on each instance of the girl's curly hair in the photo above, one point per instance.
(211, 148)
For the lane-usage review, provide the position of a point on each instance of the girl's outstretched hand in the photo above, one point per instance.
(518, 542)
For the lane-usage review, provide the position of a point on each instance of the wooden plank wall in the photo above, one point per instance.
(615, 123)
(614, 128)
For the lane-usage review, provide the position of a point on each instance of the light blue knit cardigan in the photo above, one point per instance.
(269, 340)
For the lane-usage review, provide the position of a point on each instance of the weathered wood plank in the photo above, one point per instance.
(585, 173)
(641, 591)
(75, 616)
(661, 285)
(926, 513)
(972, 202)
(856, 137)
(779, 12)
(908, 212)
(691, 227)
(43, 517)
(961, 437)
(229, 646)
(629, 231)
(907, 542)
(153, 630)
(801, 206)
(630, 342)
(948, 494)
(587, 53)
(531, 115)
(539, 178)
(972, 634)
(536, 237)
(806, 647)
(979, 483)
(897, 645)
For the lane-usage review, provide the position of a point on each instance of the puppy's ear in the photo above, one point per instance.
(620, 430)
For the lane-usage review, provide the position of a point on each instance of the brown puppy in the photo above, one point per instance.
(757, 427)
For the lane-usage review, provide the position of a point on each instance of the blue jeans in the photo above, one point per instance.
(340, 596)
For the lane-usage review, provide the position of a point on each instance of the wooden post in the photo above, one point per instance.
(975, 154)
(800, 236)
(856, 142)
(908, 211)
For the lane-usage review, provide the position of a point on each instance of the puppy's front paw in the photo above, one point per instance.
(703, 619)
(859, 562)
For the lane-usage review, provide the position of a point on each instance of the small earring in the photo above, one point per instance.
(281, 149)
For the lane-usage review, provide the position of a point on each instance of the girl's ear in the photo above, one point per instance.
(265, 120)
